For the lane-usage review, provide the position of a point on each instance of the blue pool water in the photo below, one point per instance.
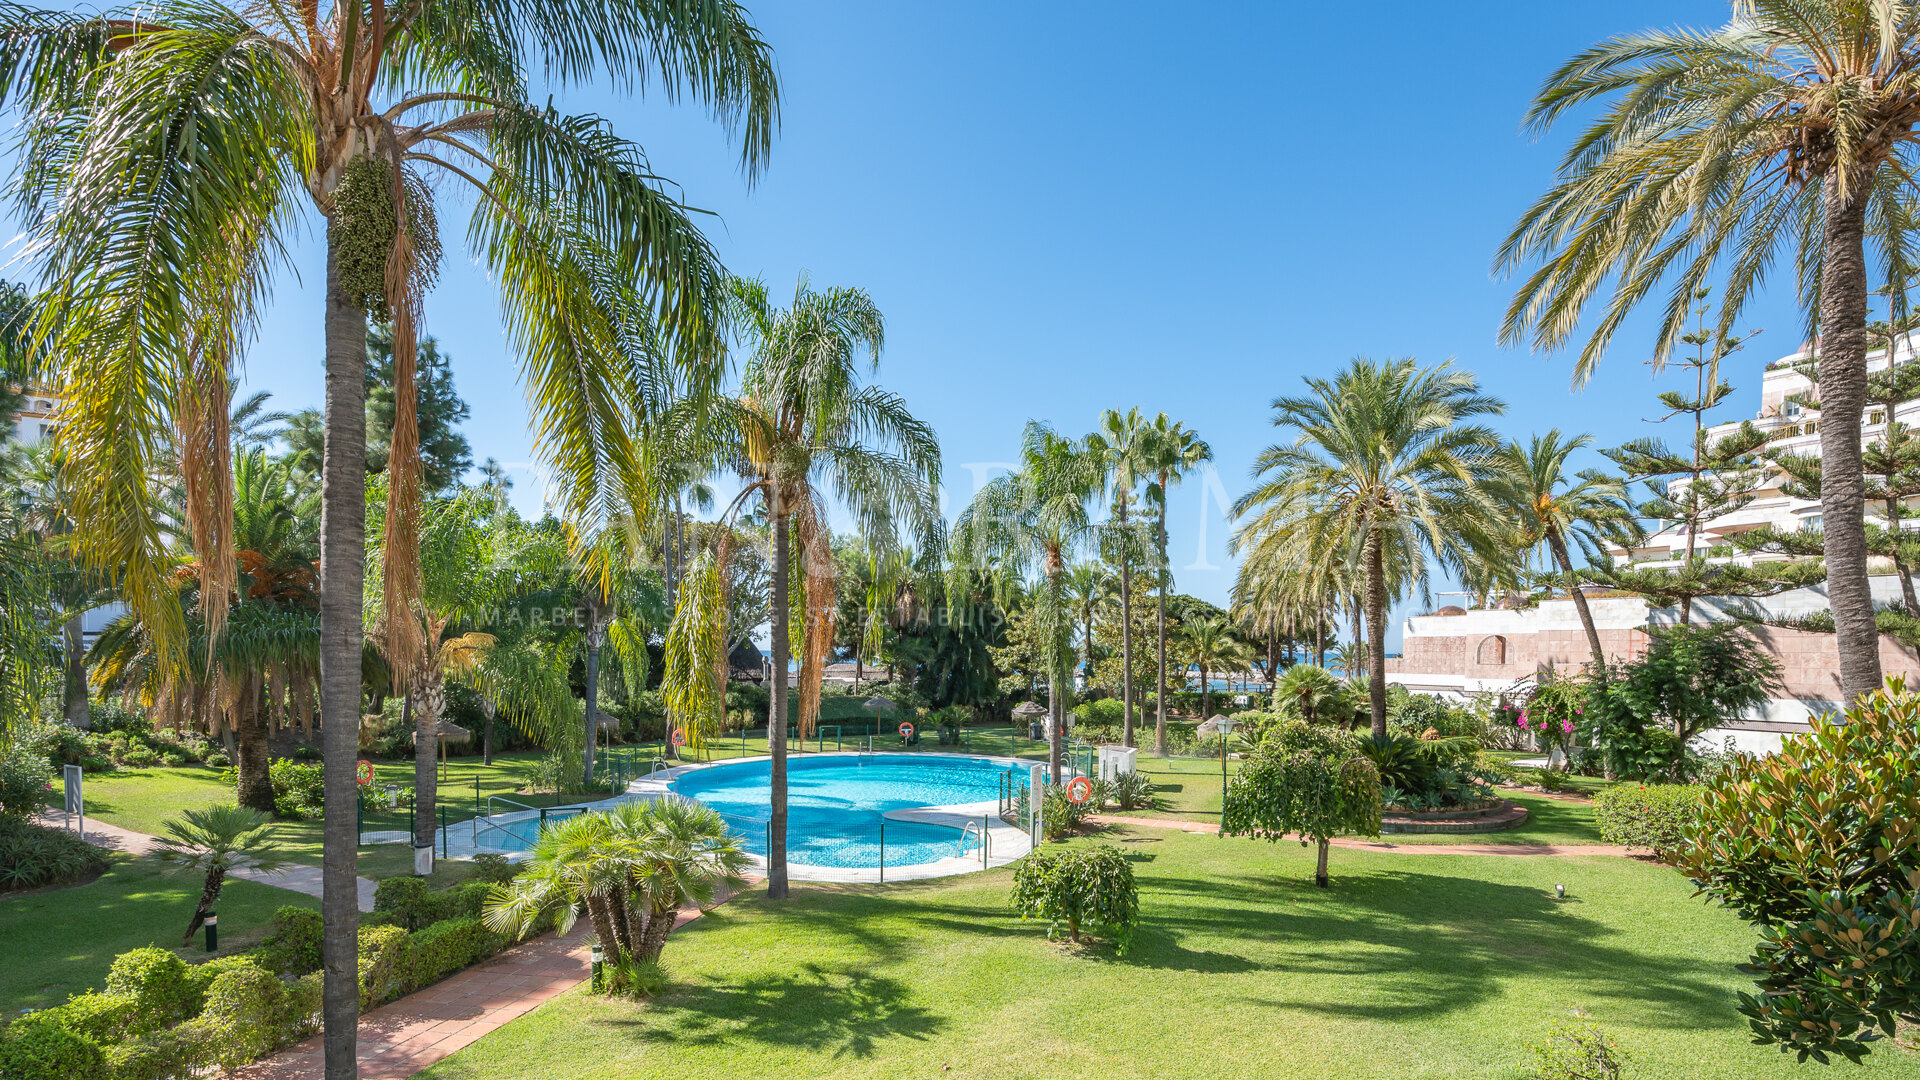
(835, 803)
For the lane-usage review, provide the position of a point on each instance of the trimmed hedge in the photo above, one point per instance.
(161, 1018)
(33, 856)
(1639, 816)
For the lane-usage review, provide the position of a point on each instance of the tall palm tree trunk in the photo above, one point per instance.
(1377, 625)
(596, 637)
(1126, 635)
(1843, 395)
(1206, 692)
(426, 774)
(1061, 678)
(73, 654)
(343, 536)
(487, 708)
(1160, 631)
(777, 714)
(1319, 635)
(1559, 545)
(252, 788)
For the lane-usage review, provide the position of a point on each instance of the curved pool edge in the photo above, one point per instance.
(1005, 843)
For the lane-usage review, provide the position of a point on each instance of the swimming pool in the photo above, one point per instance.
(836, 803)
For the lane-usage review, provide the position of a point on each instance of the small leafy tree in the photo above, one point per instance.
(216, 841)
(1819, 848)
(1308, 783)
(1088, 886)
(1691, 678)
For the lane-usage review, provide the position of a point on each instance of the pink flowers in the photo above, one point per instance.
(1523, 718)
(1566, 726)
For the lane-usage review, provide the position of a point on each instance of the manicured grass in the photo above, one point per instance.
(1411, 966)
(60, 942)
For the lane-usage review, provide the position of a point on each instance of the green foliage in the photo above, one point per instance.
(32, 1050)
(25, 773)
(1578, 1050)
(492, 868)
(447, 946)
(1818, 846)
(244, 1015)
(1414, 714)
(159, 984)
(293, 945)
(299, 791)
(103, 1018)
(1655, 818)
(1313, 694)
(34, 855)
(383, 964)
(1080, 888)
(1132, 791)
(1426, 774)
(1690, 679)
(1304, 781)
(413, 905)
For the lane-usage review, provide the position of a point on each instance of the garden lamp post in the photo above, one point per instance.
(1224, 725)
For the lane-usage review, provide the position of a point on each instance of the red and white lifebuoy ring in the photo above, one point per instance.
(363, 772)
(679, 737)
(906, 729)
(1079, 789)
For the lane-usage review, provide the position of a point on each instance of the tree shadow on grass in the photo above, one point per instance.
(843, 1011)
(1424, 945)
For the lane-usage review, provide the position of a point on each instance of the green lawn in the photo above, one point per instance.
(61, 942)
(1411, 966)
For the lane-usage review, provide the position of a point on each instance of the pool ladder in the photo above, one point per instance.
(979, 828)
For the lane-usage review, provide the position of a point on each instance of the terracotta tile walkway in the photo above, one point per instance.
(403, 1037)
(1207, 828)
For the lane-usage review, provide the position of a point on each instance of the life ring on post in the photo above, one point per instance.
(1079, 790)
(906, 729)
(363, 772)
(679, 737)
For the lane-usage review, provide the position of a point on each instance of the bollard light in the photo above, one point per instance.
(213, 932)
(599, 957)
(1559, 892)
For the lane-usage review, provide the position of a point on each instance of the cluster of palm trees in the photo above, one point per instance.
(1388, 478)
(1024, 530)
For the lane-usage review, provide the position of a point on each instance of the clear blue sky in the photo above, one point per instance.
(1066, 207)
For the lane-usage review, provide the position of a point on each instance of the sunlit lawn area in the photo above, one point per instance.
(61, 941)
(1439, 966)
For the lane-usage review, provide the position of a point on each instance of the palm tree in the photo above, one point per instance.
(1175, 452)
(1035, 519)
(206, 132)
(803, 428)
(1088, 587)
(1127, 446)
(1210, 645)
(1384, 472)
(214, 841)
(1531, 483)
(1312, 692)
(1791, 126)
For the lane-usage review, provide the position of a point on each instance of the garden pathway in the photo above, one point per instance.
(298, 878)
(403, 1037)
(1376, 845)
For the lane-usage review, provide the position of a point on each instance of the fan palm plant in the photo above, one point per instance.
(174, 152)
(214, 841)
(802, 428)
(1033, 520)
(1088, 585)
(1531, 483)
(1792, 126)
(1176, 450)
(1384, 472)
(1128, 447)
(1312, 693)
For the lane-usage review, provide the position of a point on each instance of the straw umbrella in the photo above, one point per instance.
(447, 731)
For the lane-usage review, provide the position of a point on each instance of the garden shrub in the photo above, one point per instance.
(1817, 847)
(32, 1050)
(32, 856)
(293, 945)
(244, 1016)
(24, 777)
(1578, 1050)
(1307, 781)
(1085, 887)
(163, 1055)
(1639, 816)
(407, 899)
(299, 791)
(383, 964)
(493, 868)
(104, 1018)
(1414, 715)
(1132, 791)
(159, 982)
(446, 947)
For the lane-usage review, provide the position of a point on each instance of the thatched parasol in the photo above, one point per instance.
(447, 731)
(1030, 708)
(1212, 725)
(880, 704)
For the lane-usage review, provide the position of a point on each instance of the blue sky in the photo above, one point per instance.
(1067, 207)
